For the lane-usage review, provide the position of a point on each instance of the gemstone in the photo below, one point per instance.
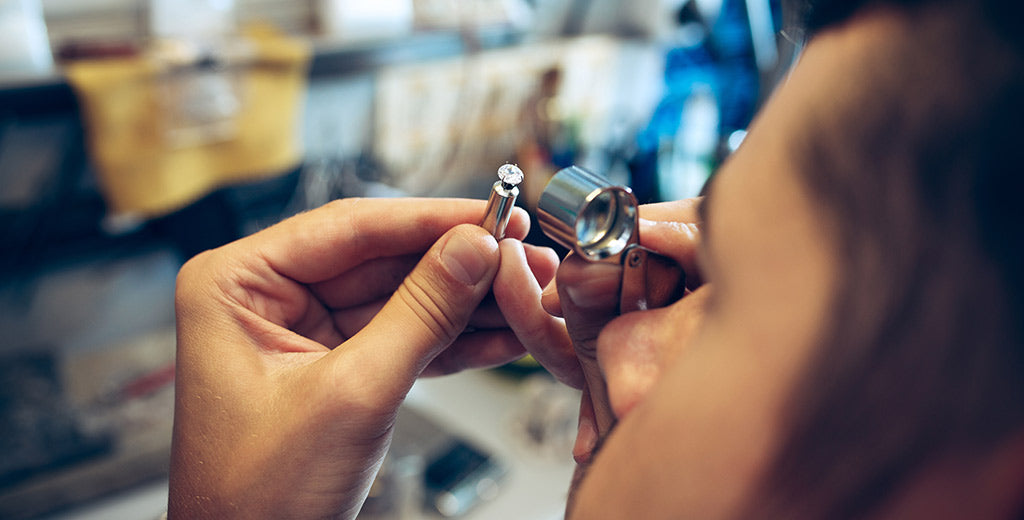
(510, 174)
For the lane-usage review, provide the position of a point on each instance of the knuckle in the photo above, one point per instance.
(191, 276)
(431, 307)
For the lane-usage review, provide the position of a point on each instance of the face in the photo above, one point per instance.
(697, 442)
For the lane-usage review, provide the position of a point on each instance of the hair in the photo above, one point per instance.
(920, 171)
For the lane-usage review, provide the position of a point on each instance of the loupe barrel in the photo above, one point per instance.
(586, 213)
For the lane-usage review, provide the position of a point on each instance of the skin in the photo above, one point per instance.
(297, 345)
(294, 354)
(684, 405)
(703, 381)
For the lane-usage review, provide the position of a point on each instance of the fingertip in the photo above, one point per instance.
(542, 252)
(677, 240)
(510, 244)
(549, 300)
(683, 210)
(518, 224)
(543, 262)
(589, 285)
(469, 254)
(512, 253)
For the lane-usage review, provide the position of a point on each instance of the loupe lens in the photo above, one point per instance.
(605, 224)
(587, 214)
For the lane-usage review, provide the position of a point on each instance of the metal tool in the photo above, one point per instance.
(600, 222)
(502, 200)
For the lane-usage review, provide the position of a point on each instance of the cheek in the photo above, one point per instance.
(694, 445)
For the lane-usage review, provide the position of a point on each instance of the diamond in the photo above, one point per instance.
(510, 174)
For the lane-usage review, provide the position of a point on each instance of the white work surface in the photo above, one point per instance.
(480, 406)
(477, 405)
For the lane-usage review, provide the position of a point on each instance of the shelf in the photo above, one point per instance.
(50, 94)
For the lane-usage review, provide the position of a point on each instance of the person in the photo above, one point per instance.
(855, 350)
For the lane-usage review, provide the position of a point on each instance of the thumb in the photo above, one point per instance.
(429, 309)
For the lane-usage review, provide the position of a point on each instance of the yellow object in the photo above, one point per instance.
(143, 169)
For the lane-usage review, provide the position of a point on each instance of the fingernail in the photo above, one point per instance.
(549, 290)
(466, 260)
(599, 291)
(586, 439)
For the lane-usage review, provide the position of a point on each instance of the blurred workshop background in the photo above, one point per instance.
(136, 133)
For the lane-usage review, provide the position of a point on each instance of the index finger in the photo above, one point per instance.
(518, 295)
(673, 230)
(683, 210)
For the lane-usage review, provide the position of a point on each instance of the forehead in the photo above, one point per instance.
(825, 80)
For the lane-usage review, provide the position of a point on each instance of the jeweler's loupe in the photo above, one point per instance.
(599, 221)
(586, 213)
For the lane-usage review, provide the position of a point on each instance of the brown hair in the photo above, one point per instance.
(920, 170)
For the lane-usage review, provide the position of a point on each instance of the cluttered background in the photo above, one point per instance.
(137, 133)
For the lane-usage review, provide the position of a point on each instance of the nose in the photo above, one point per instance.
(635, 349)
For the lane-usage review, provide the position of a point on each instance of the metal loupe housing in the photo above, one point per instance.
(600, 222)
(584, 212)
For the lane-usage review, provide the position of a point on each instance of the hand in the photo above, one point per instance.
(615, 371)
(297, 345)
